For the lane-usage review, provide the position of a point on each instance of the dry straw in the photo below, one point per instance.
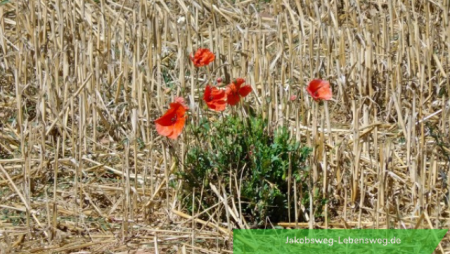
(82, 168)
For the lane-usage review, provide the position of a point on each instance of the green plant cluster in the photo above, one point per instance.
(249, 163)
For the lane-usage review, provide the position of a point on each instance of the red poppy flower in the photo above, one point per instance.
(215, 98)
(172, 122)
(319, 89)
(202, 57)
(234, 91)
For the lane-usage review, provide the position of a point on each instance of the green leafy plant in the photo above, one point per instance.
(248, 162)
(442, 143)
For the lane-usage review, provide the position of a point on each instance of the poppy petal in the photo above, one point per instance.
(239, 82)
(202, 57)
(218, 105)
(319, 89)
(179, 110)
(207, 58)
(245, 90)
(231, 88)
(166, 119)
(233, 99)
(215, 98)
(172, 122)
(181, 101)
(324, 93)
(232, 94)
(177, 128)
(207, 94)
(315, 83)
(217, 93)
(312, 93)
(164, 130)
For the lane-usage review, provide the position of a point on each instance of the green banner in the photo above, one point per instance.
(324, 241)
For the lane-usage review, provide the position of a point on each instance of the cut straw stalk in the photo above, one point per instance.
(209, 224)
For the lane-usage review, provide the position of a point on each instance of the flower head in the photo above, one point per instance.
(319, 90)
(202, 57)
(234, 91)
(215, 98)
(172, 122)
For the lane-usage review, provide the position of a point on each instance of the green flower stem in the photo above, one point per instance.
(313, 177)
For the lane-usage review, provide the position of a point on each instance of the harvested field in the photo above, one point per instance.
(83, 169)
